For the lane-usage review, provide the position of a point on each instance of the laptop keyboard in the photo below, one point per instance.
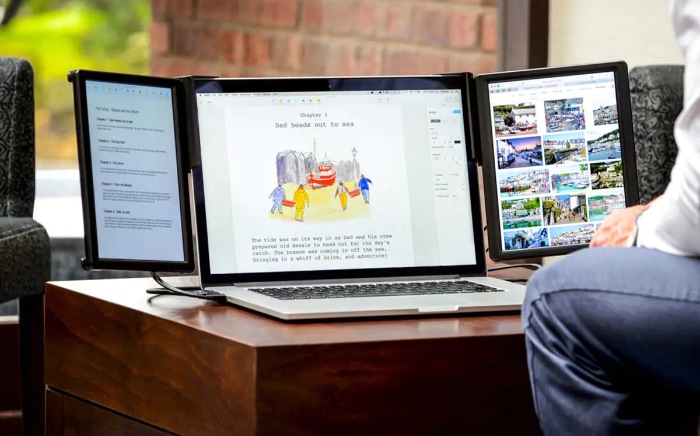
(375, 290)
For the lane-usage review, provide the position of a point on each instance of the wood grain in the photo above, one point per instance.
(147, 367)
(190, 367)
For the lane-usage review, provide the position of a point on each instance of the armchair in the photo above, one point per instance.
(25, 257)
(656, 93)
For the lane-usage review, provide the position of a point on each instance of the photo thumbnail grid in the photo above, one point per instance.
(556, 184)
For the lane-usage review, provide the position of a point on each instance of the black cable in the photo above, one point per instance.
(532, 266)
(193, 292)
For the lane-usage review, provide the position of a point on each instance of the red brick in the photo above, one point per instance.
(463, 62)
(430, 26)
(463, 29)
(232, 48)
(160, 37)
(159, 9)
(406, 62)
(368, 18)
(314, 55)
(396, 22)
(339, 16)
(257, 50)
(489, 31)
(351, 60)
(312, 15)
(287, 53)
(196, 42)
(272, 13)
(220, 10)
(181, 9)
(171, 67)
(228, 70)
(487, 64)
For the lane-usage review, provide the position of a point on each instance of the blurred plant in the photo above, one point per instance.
(57, 36)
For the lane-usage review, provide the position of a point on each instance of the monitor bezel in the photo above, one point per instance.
(459, 81)
(92, 261)
(491, 196)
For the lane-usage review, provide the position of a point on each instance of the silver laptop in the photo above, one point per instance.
(342, 197)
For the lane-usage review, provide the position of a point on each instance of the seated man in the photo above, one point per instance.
(613, 332)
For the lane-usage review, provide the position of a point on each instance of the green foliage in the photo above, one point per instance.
(57, 36)
(531, 204)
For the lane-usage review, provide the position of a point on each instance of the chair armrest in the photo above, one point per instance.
(25, 258)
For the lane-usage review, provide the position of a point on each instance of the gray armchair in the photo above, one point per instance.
(657, 99)
(25, 257)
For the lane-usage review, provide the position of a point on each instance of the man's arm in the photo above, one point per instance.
(672, 223)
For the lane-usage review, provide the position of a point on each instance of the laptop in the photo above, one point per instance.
(342, 197)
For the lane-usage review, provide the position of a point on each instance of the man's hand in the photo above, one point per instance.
(617, 227)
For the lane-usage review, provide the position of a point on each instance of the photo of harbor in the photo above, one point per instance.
(564, 209)
(605, 146)
(564, 115)
(606, 175)
(525, 238)
(523, 182)
(572, 235)
(519, 152)
(601, 206)
(517, 214)
(564, 148)
(570, 178)
(604, 108)
(518, 119)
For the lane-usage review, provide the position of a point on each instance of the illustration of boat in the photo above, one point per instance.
(527, 127)
(322, 177)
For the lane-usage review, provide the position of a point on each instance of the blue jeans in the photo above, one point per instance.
(613, 343)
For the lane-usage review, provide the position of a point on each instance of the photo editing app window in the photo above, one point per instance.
(558, 156)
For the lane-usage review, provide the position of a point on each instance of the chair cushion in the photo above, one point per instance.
(25, 258)
(657, 100)
(16, 138)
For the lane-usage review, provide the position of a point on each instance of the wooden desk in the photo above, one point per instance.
(117, 364)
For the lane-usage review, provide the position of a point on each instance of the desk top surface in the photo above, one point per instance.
(260, 331)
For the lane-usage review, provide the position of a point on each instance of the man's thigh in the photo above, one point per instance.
(635, 312)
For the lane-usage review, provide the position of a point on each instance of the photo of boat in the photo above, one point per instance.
(323, 176)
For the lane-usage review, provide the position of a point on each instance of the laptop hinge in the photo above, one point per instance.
(348, 280)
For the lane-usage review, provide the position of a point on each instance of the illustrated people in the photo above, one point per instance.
(342, 191)
(301, 200)
(278, 195)
(364, 187)
(612, 331)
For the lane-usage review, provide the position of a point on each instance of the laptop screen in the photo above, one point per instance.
(556, 147)
(334, 174)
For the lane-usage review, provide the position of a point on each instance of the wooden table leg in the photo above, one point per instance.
(31, 342)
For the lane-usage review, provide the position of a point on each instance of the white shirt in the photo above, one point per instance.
(672, 223)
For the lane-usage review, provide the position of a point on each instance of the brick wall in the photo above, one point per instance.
(322, 37)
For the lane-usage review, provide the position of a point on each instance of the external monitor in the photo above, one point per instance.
(131, 152)
(558, 156)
